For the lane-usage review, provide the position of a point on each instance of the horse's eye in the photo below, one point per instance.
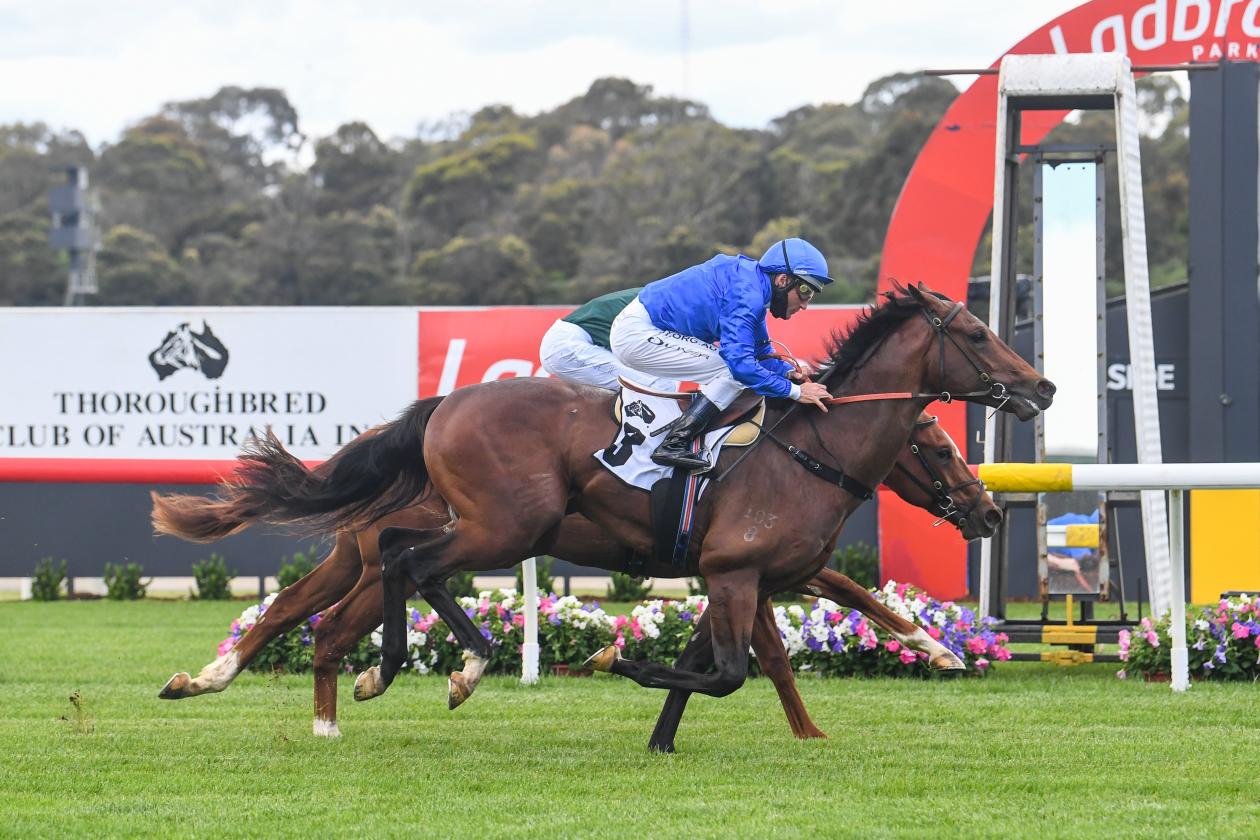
(979, 336)
(944, 453)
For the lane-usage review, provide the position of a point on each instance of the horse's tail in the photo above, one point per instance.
(377, 474)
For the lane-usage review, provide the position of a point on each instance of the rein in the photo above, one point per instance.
(995, 390)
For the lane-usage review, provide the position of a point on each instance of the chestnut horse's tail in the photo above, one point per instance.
(376, 474)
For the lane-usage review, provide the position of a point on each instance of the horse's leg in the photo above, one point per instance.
(696, 656)
(771, 658)
(427, 562)
(356, 615)
(829, 583)
(319, 588)
(733, 601)
(775, 664)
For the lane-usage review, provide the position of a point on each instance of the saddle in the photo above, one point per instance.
(674, 497)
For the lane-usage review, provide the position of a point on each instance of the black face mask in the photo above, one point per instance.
(779, 301)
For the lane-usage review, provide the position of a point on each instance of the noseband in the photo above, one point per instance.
(949, 509)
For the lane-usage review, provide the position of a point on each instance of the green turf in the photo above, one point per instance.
(1033, 751)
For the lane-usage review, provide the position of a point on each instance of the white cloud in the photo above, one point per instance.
(396, 63)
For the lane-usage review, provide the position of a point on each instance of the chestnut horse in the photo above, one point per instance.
(930, 473)
(513, 457)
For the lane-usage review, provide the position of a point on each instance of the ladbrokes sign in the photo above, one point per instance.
(1198, 30)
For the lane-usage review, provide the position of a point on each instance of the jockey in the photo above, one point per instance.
(576, 346)
(669, 330)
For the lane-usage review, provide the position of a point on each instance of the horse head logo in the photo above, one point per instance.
(638, 409)
(183, 348)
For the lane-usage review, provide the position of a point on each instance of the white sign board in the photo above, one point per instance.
(196, 382)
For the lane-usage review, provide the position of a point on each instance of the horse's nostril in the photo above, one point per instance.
(1046, 389)
(993, 517)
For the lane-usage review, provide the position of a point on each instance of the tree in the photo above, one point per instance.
(486, 270)
(133, 269)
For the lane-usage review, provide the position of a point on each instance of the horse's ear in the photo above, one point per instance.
(916, 291)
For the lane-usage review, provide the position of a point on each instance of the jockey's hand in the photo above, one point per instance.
(814, 393)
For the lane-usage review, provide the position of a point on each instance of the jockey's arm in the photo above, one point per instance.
(739, 324)
(764, 348)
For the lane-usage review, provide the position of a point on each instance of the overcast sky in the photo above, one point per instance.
(395, 64)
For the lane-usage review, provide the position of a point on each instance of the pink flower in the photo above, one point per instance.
(1240, 631)
(620, 641)
(861, 628)
(634, 628)
(907, 656)
(499, 609)
(226, 644)
(1151, 638)
(934, 632)
(1121, 675)
(892, 645)
(901, 589)
(1146, 624)
(620, 621)
(519, 619)
(507, 628)
(1258, 641)
(1002, 654)
(483, 608)
(981, 664)
(976, 645)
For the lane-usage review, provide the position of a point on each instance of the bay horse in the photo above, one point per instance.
(513, 457)
(929, 473)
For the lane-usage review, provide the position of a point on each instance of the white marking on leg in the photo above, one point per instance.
(474, 667)
(326, 728)
(218, 675)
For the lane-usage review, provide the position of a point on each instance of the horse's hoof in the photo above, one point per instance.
(369, 684)
(457, 690)
(603, 660)
(176, 687)
(326, 729)
(947, 664)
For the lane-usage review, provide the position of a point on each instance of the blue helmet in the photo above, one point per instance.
(799, 259)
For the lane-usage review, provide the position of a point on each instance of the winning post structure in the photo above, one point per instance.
(203, 471)
(1174, 479)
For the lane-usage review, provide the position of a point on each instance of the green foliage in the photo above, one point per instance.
(461, 585)
(47, 579)
(123, 582)
(542, 573)
(697, 586)
(302, 564)
(213, 578)
(859, 561)
(623, 587)
(199, 203)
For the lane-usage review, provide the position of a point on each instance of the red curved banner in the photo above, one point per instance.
(947, 199)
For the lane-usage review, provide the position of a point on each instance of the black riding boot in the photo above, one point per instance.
(673, 451)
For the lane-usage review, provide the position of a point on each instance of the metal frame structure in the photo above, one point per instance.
(1085, 82)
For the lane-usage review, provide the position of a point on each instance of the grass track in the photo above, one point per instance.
(1031, 751)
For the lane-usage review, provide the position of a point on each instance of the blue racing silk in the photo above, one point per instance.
(723, 301)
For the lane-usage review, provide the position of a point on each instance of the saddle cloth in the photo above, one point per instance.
(629, 456)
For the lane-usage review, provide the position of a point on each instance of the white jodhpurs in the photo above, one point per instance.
(568, 352)
(637, 342)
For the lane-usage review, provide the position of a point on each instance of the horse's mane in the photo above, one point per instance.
(848, 349)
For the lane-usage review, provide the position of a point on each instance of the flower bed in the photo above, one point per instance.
(821, 639)
(1223, 643)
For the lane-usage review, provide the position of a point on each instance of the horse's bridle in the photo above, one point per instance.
(996, 390)
(944, 495)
